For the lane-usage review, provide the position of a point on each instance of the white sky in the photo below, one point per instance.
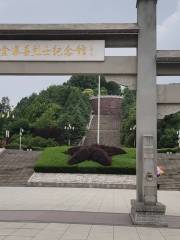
(82, 11)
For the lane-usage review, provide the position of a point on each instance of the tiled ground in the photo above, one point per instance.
(79, 199)
(92, 200)
(55, 231)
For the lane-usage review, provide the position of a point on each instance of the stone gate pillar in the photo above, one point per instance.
(146, 209)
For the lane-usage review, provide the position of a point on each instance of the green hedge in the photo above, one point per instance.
(166, 150)
(54, 160)
(110, 170)
(14, 146)
(24, 147)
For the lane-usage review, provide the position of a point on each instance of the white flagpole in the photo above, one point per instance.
(99, 100)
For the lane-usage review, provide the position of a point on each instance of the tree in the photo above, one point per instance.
(49, 119)
(45, 114)
(168, 139)
(113, 88)
(128, 135)
(88, 92)
(91, 82)
(5, 105)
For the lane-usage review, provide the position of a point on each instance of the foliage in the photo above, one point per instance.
(47, 113)
(55, 160)
(49, 118)
(169, 150)
(167, 131)
(111, 150)
(5, 114)
(15, 146)
(88, 92)
(30, 142)
(167, 138)
(5, 105)
(128, 133)
(91, 82)
(167, 128)
(94, 153)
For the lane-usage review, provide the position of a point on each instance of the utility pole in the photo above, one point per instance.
(20, 138)
(99, 102)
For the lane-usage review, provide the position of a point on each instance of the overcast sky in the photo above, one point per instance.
(82, 11)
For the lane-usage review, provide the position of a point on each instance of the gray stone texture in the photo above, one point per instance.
(16, 167)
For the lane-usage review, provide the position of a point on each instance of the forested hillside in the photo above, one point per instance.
(44, 116)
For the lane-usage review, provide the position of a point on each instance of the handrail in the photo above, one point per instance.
(87, 128)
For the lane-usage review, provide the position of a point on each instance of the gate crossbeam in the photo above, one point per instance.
(115, 34)
(168, 64)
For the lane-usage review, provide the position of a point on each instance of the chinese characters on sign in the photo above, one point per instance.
(60, 50)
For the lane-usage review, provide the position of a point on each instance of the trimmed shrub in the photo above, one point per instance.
(71, 151)
(100, 156)
(94, 153)
(74, 169)
(15, 146)
(110, 150)
(165, 150)
(79, 156)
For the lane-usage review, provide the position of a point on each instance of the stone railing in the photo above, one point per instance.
(87, 128)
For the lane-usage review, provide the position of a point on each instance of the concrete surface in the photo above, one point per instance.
(54, 231)
(91, 200)
(79, 199)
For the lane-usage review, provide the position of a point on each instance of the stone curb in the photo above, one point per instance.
(82, 185)
(2, 150)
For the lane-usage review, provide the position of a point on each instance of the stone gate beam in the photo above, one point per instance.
(145, 209)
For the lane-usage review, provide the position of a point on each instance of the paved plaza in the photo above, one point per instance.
(28, 214)
(54, 231)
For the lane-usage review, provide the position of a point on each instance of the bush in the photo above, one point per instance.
(33, 142)
(79, 156)
(54, 160)
(111, 151)
(100, 156)
(166, 150)
(71, 151)
(42, 142)
(91, 170)
(15, 146)
(94, 153)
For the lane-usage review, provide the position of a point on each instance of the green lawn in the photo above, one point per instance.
(53, 159)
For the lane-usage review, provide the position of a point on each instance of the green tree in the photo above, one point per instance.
(91, 82)
(49, 118)
(128, 134)
(5, 105)
(168, 139)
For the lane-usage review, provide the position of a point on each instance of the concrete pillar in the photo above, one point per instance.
(145, 209)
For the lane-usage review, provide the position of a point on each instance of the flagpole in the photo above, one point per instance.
(99, 99)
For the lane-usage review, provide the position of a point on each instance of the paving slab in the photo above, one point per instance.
(58, 231)
(79, 199)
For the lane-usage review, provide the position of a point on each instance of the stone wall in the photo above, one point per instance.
(110, 105)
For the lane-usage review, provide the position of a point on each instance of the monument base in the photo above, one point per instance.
(142, 214)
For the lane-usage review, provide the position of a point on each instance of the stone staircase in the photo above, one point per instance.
(16, 167)
(171, 179)
(109, 130)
